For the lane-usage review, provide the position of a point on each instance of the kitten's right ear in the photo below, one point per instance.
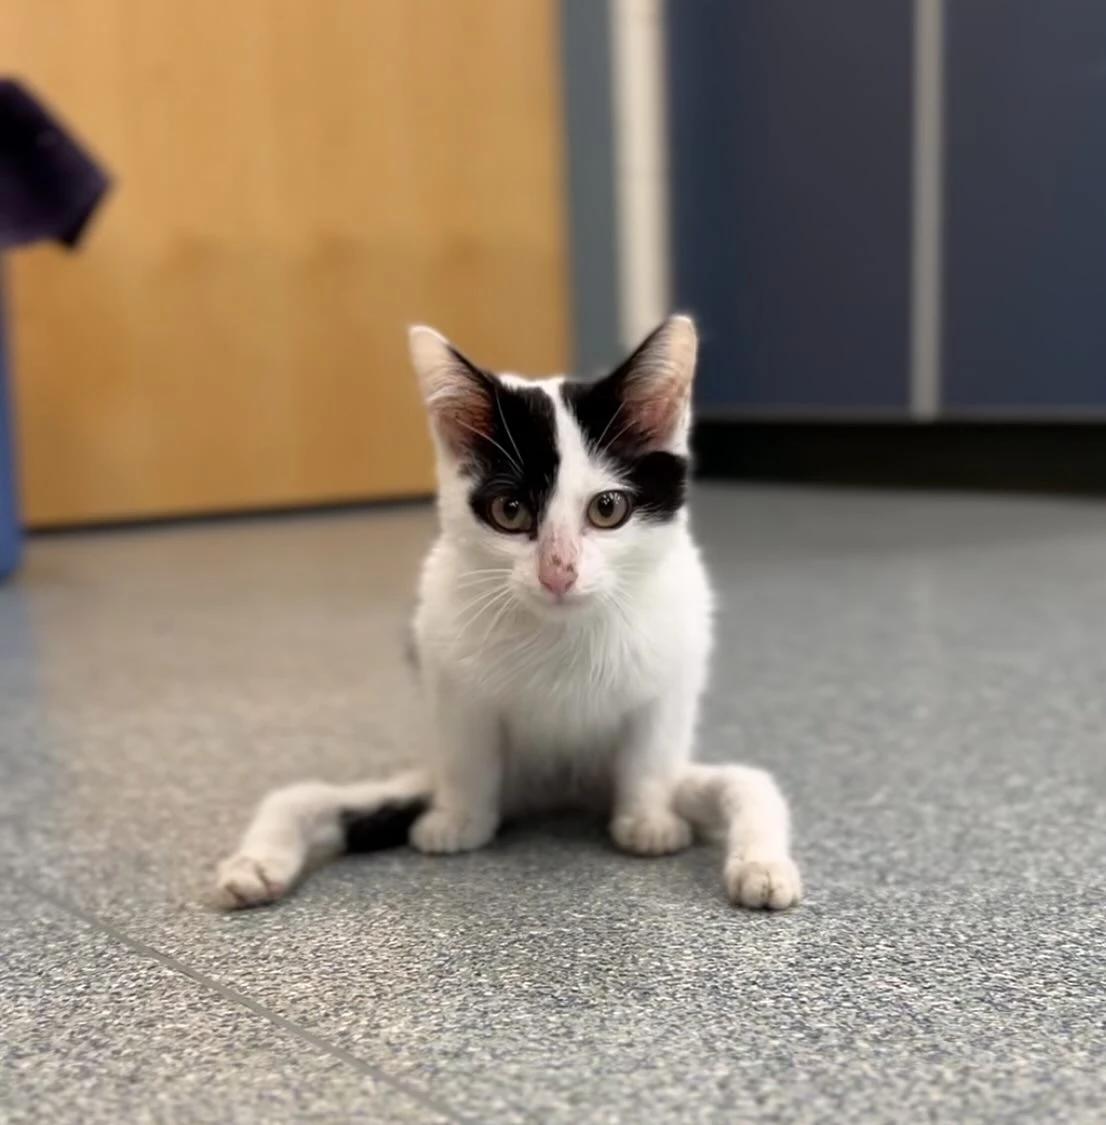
(459, 396)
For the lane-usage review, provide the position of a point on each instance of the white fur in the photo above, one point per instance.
(534, 703)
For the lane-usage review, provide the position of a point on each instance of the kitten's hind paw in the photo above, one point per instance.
(770, 884)
(253, 880)
(660, 833)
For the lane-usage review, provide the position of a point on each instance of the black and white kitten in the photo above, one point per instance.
(563, 635)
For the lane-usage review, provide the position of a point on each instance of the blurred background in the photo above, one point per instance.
(885, 213)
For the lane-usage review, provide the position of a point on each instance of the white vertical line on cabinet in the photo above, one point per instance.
(639, 94)
(927, 210)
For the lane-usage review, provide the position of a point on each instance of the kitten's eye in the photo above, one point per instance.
(608, 510)
(510, 515)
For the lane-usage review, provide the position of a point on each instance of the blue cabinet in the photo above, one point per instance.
(1025, 208)
(790, 173)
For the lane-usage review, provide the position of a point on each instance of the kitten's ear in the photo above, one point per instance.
(459, 396)
(654, 384)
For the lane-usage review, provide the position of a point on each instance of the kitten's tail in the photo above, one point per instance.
(745, 806)
(314, 821)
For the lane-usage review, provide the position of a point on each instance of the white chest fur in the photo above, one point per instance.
(571, 683)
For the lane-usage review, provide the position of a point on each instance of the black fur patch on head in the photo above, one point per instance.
(385, 827)
(657, 479)
(517, 457)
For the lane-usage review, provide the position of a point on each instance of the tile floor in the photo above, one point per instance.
(926, 675)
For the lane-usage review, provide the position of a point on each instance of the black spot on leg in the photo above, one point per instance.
(384, 827)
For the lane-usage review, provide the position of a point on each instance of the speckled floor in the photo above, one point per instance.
(926, 675)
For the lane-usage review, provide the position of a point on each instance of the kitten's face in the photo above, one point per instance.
(564, 493)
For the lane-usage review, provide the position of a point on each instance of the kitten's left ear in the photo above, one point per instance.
(459, 396)
(654, 384)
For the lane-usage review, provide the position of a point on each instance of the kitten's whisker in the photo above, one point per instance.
(486, 437)
(503, 419)
(621, 432)
(485, 601)
(599, 441)
(481, 603)
(477, 577)
(471, 624)
(495, 621)
(478, 580)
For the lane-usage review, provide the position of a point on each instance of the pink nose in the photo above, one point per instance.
(557, 578)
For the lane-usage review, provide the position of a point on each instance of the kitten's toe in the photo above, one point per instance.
(446, 831)
(659, 833)
(252, 880)
(772, 884)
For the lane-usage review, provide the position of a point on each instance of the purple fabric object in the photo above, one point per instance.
(49, 185)
(49, 188)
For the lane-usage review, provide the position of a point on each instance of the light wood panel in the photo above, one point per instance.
(296, 182)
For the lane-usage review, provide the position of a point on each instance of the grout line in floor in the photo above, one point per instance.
(319, 1042)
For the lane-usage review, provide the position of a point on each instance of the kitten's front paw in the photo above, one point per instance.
(770, 884)
(447, 831)
(660, 833)
(253, 880)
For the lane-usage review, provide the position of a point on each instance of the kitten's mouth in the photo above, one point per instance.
(550, 604)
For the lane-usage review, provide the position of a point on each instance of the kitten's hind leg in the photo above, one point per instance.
(749, 809)
(315, 820)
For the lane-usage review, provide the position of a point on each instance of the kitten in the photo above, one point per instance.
(562, 636)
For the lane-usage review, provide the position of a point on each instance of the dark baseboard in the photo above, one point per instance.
(1056, 457)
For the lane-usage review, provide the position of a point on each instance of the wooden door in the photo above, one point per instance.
(295, 183)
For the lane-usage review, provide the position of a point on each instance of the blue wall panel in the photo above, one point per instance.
(790, 154)
(1025, 206)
